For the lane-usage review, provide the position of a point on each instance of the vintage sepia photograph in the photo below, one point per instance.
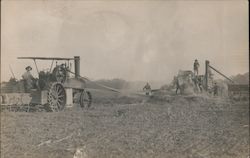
(124, 79)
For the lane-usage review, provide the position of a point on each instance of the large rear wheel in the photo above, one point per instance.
(56, 97)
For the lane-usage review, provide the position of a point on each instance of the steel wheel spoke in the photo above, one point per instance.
(60, 96)
(57, 88)
(58, 105)
(59, 101)
(60, 91)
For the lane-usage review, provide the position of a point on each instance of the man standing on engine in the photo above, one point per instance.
(196, 67)
(28, 79)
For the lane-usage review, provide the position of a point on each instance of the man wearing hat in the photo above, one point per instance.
(28, 79)
(196, 67)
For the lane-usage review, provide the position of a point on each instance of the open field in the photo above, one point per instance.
(124, 127)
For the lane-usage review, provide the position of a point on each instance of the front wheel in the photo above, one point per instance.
(85, 99)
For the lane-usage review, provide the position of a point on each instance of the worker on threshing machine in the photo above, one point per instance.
(215, 88)
(147, 89)
(28, 79)
(196, 67)
(176, 84)
(200, 84)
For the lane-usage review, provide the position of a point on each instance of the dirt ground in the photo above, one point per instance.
(174, 127)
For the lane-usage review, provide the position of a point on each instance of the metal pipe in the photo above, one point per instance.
(51, 66)
(77, 66)
(36, 67)
(206, 74)
(12, 72)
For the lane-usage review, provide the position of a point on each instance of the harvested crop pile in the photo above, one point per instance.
(171, 127)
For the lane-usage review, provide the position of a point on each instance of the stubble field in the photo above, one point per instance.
(127, 127)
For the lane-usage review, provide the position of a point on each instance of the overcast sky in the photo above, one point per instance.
(133, 40)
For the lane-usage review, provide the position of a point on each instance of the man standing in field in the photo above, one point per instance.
(196, 67)
(147, 88)
(28, 79)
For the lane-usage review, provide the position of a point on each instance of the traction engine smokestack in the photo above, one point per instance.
(77, 66)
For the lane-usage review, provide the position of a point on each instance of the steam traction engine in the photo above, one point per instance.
(55, 89)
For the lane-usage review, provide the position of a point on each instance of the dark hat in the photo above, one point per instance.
(28, 68)
(196, 60)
